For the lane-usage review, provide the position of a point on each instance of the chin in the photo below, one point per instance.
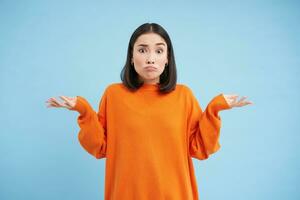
(151, 79)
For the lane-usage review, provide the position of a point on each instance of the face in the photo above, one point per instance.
(150, 55)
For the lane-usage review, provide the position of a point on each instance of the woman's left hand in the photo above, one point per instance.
(232, 101)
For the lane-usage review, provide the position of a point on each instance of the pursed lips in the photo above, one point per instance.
(150, 67)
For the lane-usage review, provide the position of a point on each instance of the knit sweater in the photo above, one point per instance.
(149, 139)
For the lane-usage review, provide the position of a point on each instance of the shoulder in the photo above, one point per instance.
(184, 88)
(188, 93)
(114, 87)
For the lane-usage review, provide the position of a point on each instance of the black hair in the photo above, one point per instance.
(168, 78)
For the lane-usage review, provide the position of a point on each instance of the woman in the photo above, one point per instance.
(148, 127)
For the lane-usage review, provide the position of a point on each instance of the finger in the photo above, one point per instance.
(55, 104)
(69, 107)
(50, 100)
(58, 103)
(63, 97)
(70, 98)
(52, 105)
(244, 103)
(232, 97)
(67, 101)
(53, 100)
(244, 97)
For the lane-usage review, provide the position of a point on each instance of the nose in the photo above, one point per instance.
(150, 59)
(150, 62)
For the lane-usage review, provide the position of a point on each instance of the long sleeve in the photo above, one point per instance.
(149, 139)
(204, 127)
(92, 134)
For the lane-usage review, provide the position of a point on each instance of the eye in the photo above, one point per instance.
(142, 50)
(160, 50)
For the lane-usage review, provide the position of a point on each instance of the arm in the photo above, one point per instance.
(92, 134)
(204, 127)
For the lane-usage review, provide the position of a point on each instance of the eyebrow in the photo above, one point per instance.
(145, 45)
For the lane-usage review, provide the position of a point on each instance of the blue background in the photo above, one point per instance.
(52, 48)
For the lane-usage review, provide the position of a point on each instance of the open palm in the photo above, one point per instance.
(232, 100)
(68, 102)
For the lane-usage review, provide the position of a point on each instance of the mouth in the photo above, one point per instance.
(151, 68)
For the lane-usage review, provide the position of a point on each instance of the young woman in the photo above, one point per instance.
(148, 127)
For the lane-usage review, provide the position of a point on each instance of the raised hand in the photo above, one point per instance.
(232, 100)
(68, 102)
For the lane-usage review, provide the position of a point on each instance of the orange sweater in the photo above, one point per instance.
(149, 139)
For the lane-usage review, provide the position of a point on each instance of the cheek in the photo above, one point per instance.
(163, 59)
(162, 62)
(138, 59)
(162, 69)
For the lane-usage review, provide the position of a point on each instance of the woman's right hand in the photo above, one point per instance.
(68, 102)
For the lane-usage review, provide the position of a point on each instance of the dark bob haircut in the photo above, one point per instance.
(168, 78)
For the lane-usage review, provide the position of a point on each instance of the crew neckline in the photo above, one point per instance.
(151, 87)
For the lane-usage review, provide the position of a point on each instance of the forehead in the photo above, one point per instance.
(150, 39)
